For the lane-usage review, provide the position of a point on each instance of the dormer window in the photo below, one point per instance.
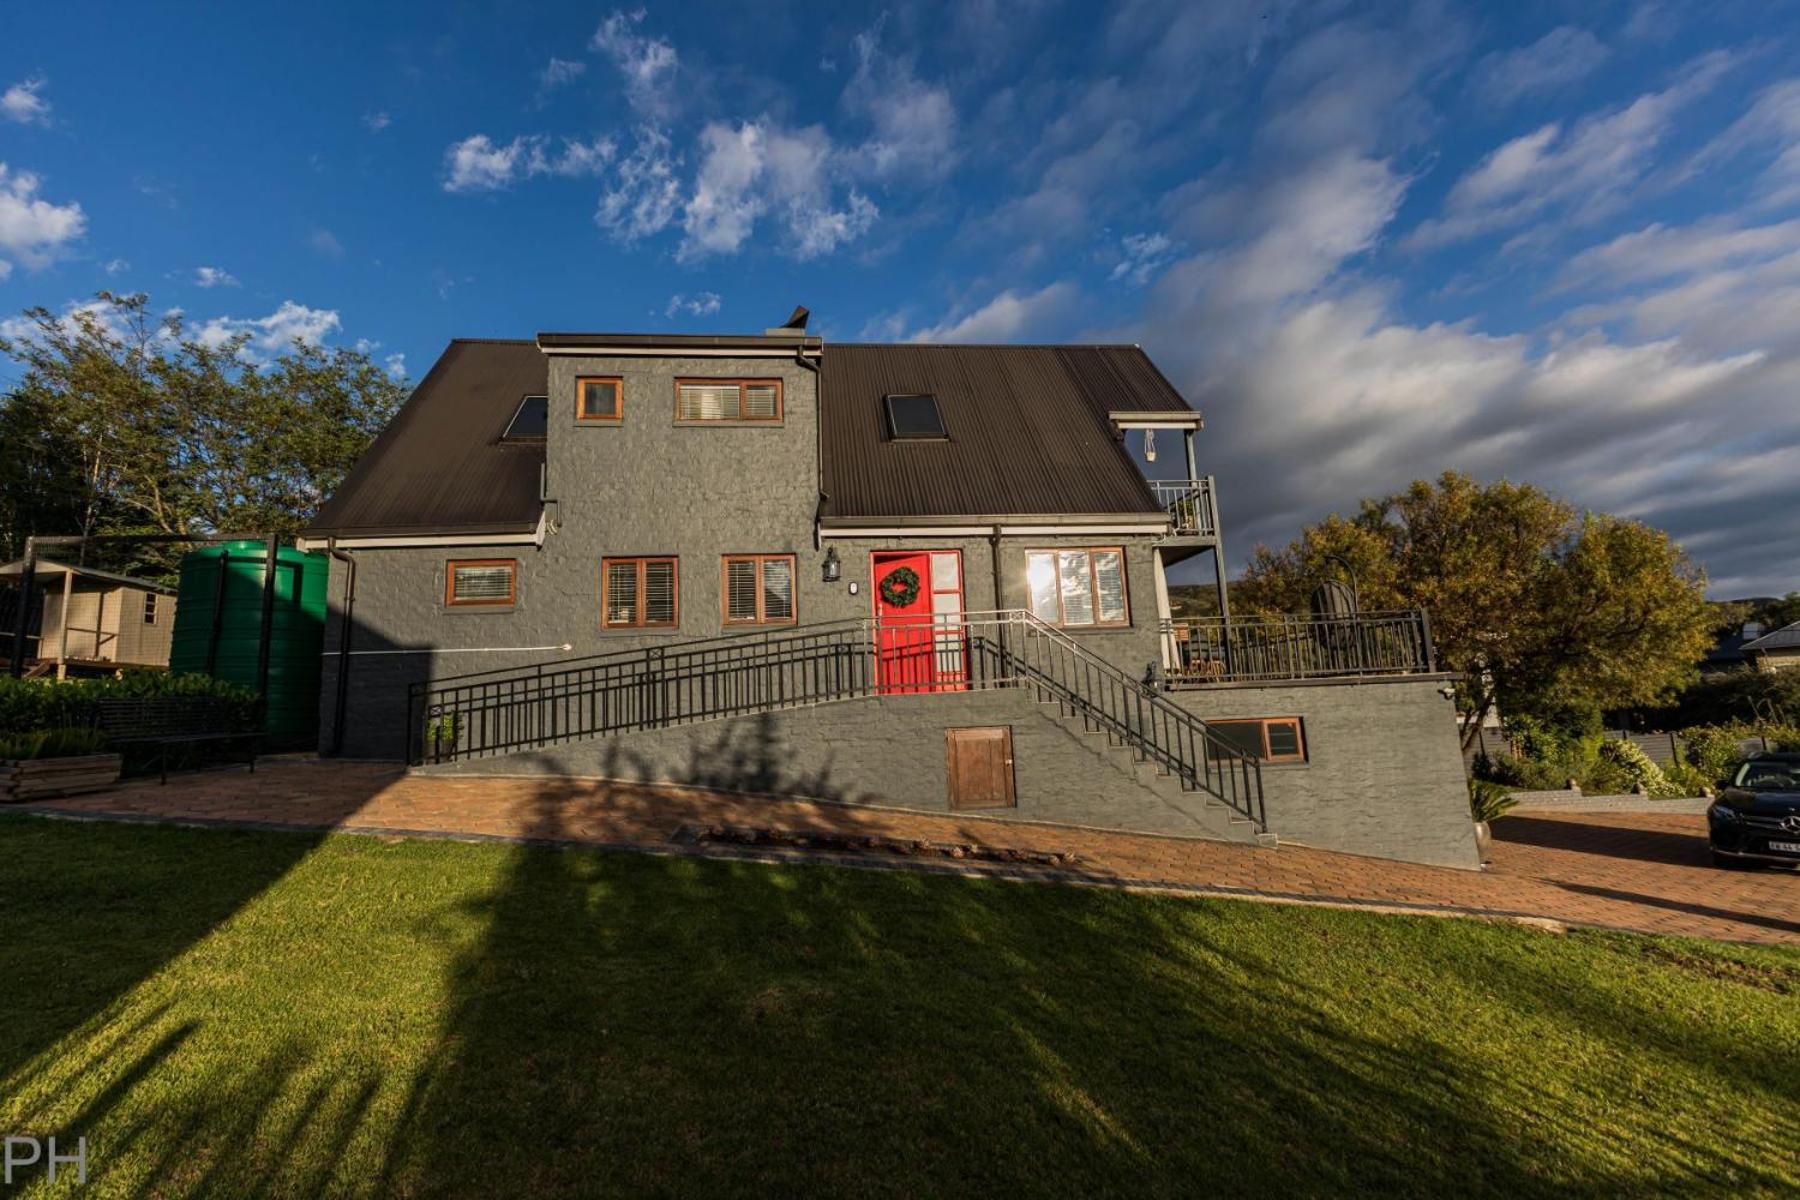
(914, 416)
(529, 422)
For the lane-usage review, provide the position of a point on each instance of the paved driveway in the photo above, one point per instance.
(1625, 870)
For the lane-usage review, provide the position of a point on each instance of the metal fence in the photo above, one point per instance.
(1204, 650)
(1189, 503)
(503, 711)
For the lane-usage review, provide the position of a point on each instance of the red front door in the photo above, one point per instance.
(919, 644)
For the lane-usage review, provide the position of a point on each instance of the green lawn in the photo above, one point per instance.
(236, 1014)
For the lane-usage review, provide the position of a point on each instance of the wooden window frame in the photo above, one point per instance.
(642, 561)
(741, 383)
(725, 562)
(1093, 584)
(150, 607)
(618, 382)
(1262, 724)
(512, 582)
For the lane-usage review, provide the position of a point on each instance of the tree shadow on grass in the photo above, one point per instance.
(640, 1024)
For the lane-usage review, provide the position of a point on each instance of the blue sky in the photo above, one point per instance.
(1554, 241)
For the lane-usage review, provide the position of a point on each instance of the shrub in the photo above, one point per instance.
(52, 743)
(28, 705)
(1489, 801)
(1523, 773)
(1687, 780)
(1637, 768)
(1714, 752)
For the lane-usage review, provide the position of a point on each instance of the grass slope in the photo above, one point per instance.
(234, 1014)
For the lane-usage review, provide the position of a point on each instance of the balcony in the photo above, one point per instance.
(1208, 650)
(1189, 503)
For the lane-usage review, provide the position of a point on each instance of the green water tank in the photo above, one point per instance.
(218, 629)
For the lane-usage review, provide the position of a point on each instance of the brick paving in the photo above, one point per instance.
(1646, 872)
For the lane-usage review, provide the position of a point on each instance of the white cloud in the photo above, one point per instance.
(324, 242)
(643, 194)
(395, 364)
(757, 169)
(1143, 254)
(648, 63)
(1559, 58)
(22, 103)
(377, 121)
(1585, 170)
(289, 323)
(914, 136)
(211, 277)
(1007, 316)
(478, 164)
(1771, 127)
(1660, 252)
(33, 230)
(559, 71)
(115, 266)
(700, 304)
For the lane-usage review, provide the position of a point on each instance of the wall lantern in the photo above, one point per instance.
(832, 568)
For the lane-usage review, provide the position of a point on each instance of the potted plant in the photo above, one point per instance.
(55, 762)
(1488, 801)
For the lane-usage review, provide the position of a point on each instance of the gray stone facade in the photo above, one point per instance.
(1384, 777)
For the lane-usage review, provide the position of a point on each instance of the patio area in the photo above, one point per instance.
(1645, 872)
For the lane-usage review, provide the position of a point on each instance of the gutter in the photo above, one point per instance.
(344, 632)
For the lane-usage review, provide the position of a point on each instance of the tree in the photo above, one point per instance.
(132, 426)
(1544, 612)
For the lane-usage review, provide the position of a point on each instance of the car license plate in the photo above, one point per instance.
(1785, 847)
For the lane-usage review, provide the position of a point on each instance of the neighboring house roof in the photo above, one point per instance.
(49, 570)
(1027, 425)
(440, 464)
(1028, 434)
(1785, 638)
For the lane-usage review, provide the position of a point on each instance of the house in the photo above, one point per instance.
(1777, 650)
(90, 621)
(926, 576)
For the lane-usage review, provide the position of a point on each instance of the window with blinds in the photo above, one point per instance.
(487, 581)
(639, 593)
(1078, 588)
(727, 400)
(758, 589)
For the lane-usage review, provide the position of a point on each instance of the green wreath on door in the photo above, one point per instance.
(900, 587)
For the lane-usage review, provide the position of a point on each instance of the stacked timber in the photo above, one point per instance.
(42, 778)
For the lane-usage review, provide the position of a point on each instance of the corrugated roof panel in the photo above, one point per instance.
(1028, 430)
(440, 463)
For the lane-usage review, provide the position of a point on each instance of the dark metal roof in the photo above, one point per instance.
(677, 341)
(1785, 638)
(440, 464)
(1028, 435)
(1028, 430)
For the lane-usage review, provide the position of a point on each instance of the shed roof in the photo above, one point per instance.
(48, 569)
(1785, 638)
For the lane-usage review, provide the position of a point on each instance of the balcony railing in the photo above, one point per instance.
(1208, 650)
(1189, 503)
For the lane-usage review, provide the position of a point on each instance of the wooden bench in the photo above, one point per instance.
(171, 721)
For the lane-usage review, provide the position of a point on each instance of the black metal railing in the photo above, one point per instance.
(1207, 650)
(505, 711)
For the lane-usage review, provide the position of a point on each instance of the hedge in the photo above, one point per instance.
(30, 705)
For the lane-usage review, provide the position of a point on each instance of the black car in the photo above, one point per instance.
(1757, 818)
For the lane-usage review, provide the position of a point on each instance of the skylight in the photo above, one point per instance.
(530, 422)
(914, 416)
